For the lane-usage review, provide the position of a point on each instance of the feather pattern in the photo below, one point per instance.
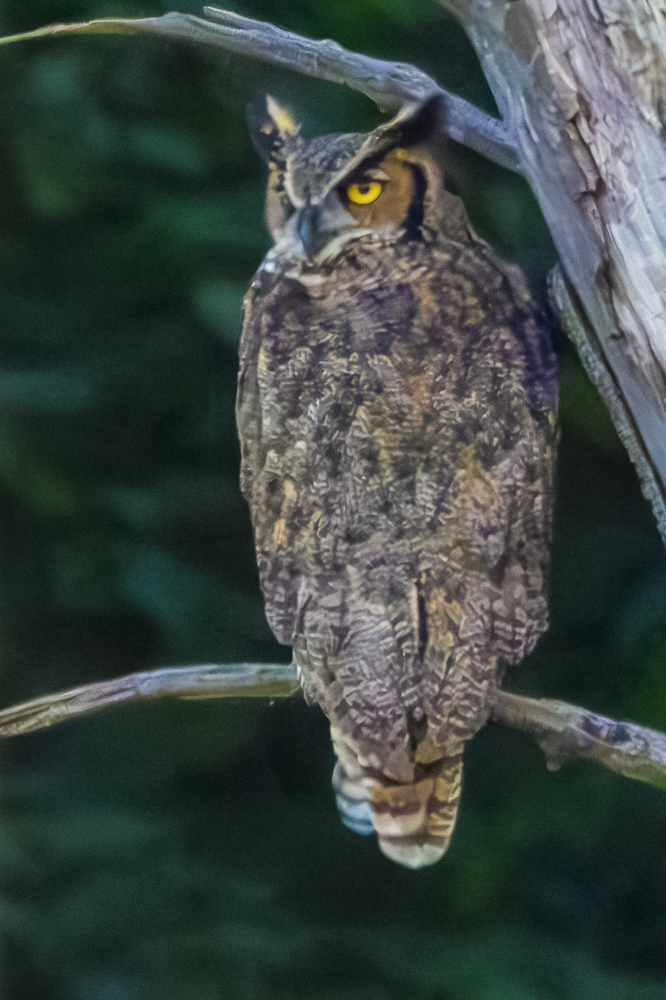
(396, 412)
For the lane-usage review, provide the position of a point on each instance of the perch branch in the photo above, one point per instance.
(234, 680)
(565, 731)
(389, 84)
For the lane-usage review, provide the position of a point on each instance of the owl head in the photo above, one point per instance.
(383, 185)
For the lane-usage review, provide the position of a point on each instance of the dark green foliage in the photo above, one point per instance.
(193, 851)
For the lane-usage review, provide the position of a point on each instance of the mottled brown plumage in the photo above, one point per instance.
(396, 411)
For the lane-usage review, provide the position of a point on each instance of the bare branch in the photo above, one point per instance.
(390, 85)
(565, 731)
(600, 373)
(233, 680)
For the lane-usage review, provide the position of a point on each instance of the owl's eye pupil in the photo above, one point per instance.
(364, 193)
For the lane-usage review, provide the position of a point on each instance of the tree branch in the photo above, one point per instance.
(565, 731)
(233, 680)
(564, 300)
(390, 85)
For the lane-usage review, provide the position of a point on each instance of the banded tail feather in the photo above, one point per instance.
(414, 822)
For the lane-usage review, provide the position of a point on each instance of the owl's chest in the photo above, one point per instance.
(341, 410)
(320, 357)
(308, 332)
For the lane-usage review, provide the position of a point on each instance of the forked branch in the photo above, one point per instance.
(562, 731)
(565, 731)
(389, 84)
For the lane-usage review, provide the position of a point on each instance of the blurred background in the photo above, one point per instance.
(192, 851)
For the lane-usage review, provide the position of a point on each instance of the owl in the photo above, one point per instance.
(396, 411)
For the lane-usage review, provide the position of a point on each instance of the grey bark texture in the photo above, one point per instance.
(566, 731)
(207, 680)
(389, 84)
(581, 89)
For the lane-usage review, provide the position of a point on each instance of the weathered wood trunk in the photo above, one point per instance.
(581, 87)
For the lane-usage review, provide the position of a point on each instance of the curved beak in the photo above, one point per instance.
(309, 230)
(317, 225)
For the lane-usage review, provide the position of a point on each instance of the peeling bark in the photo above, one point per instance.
(581, 88)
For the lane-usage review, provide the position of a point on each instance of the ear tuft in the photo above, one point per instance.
(425, 124)
(271, 126)
(280, 117)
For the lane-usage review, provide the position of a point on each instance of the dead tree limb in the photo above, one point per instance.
(562, 731)
(208, 680)
(389, 84)
(566, 731)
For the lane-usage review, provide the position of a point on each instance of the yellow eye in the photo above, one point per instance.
(363, 194)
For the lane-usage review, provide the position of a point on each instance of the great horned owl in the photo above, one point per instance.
(396, 407)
